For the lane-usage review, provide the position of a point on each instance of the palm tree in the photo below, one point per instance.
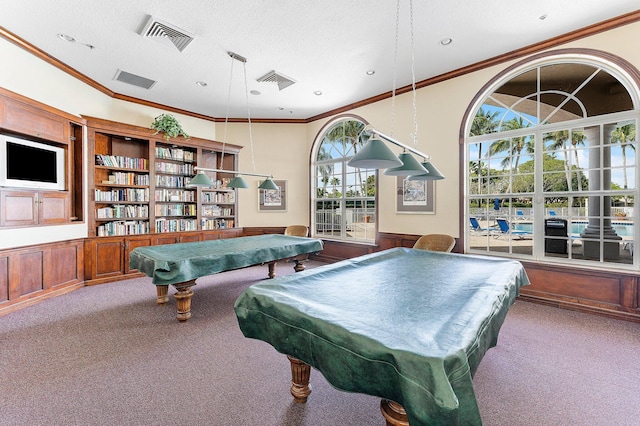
(514, 146)
(625, 136)
(484, 122)
(348, 133)
(559, 139)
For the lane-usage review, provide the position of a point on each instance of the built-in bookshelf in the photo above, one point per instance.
(139, 183)
(176, 208)
(121, 186)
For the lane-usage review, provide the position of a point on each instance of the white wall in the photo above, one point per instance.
(283, 149)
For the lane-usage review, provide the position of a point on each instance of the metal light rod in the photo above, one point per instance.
(232, 172)
(372, 130)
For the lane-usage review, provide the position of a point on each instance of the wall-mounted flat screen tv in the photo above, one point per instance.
(28, 164)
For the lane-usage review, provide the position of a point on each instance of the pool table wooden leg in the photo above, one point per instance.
(162, 294)
(393, 413)
(183, 299)
(272, 269)
(300, 374)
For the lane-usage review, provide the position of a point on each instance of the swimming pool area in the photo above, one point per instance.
(623, 229)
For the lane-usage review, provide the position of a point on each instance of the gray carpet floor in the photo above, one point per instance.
(108, 355)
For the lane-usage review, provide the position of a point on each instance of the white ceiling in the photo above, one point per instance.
(323, 45)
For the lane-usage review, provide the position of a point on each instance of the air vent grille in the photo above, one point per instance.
(166, 33)
(275, 77)
(136, 80)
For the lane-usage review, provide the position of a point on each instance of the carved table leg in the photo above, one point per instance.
(300, 373)
(272, 269)
(394, 413)
(183, 299)
(162, 292)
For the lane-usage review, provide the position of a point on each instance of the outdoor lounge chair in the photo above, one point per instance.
(475, 226)
(507, 229)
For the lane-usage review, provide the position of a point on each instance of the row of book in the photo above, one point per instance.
(219, 197)
(168, 195)
(128, 178)
(176, 225)
(132, 227)
(176, 210)
(122, 162)
(177, 154)
(123, 212)
(215, 210)
(209, 224)
(123, 194)
(172, 181)
(174, 168)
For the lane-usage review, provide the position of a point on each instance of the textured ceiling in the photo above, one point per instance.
(323, 46)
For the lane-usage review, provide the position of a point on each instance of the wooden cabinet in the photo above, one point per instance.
(32, 273)
(29, 208)
(27, 119)
(108, 258)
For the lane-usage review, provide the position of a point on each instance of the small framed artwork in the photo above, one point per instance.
(273, 200)
(415, 196)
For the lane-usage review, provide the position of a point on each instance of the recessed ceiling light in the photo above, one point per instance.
(446, 41)
(543, 17)
(66, 38)
(255, 92)
(201, 83)
(280, 109)
(317, 92)
(371, 72)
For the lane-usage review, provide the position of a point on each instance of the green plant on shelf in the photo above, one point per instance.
(169, 125)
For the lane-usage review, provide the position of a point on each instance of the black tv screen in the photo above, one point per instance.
(31, 164)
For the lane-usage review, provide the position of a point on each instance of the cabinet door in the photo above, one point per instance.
(105, 257)
(29, 120)
(53, 207)
(130, 245)
(18, 208)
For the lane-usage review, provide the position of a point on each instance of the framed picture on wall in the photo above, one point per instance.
(415, 196)
(273, 200)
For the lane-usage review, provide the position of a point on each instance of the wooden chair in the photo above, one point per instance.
(435, 242)
(297, 230)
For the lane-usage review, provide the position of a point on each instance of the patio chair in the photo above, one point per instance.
(475, 226)
(507, 229)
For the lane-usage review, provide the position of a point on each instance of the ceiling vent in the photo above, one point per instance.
(274, 77)
(136, 80)
(166, 33)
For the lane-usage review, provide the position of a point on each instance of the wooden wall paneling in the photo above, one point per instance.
(28, 277)
(64, 265)
(595, 287)
(4, 278)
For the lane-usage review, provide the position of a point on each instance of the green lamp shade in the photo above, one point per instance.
(433, 173)
(410, 166)
(200, 179)
(374, 155)
(237, 182)
(269, 184)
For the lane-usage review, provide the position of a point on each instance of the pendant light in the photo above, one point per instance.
(237, 182)
(375, 154)
(432, 173)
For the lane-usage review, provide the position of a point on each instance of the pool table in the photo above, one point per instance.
(409, 326)
(181, 264)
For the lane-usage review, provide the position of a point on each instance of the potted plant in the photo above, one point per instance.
(169, 125)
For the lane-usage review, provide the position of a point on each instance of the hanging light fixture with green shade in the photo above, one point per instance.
(432, 173)
(376, 155)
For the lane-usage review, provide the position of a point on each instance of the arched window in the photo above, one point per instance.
(343, 197)
(552, 171)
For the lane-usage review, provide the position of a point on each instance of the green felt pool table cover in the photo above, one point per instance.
(402, 324)
(177, 263)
